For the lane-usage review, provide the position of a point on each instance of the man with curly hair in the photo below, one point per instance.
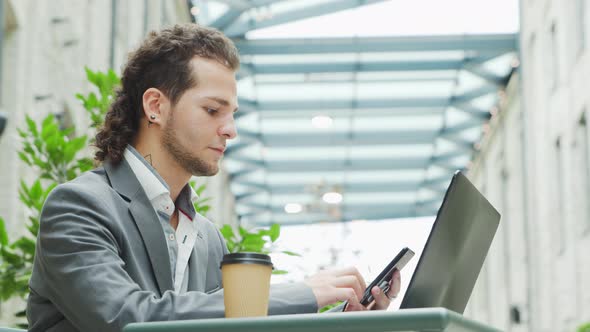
(123, 243)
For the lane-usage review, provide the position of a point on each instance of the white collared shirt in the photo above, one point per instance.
(181, 241)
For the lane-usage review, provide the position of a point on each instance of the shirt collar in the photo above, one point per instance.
(155, 186)
(152, 183)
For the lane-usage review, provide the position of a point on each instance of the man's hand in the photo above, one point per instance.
(331, 286)
(347, 285)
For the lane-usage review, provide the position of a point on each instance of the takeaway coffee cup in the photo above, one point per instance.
(246, 284)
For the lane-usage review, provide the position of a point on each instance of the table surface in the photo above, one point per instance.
(428, 319)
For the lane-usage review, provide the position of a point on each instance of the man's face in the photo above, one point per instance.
(202, 120)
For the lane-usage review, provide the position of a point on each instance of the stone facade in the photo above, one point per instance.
(534, 166)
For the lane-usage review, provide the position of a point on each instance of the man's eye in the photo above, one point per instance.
(211, 111)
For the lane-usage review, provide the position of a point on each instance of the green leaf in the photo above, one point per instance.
(231, 246)
(81, 97)
(3, 233)
(203, 209)
(49, 189)
(24, 158)
(330, 306)
(36, 190)
(275, 272)
(113, 78)
(84, 164)
(9, 256)
(47, 131)
(200, 201)
(253, 244)
(227, 232)
(40, 163)
(73, 147)
(24, 244)
(49, 119)
(274, 232)
(290, 253)
(243, 232)
(91, 76)
(32, 126)
(200, 190)
(92, 101)
(21, 133)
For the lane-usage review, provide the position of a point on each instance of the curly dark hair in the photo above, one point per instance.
(162, 61)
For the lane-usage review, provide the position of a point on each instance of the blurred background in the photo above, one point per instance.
(353, 117)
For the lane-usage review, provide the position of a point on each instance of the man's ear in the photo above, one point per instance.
(155, 104)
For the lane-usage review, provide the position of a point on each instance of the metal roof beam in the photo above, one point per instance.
(288, 189)
(331, 165)
(230, 16)
(491, 43)
(352, 66)
(241, 27)
(314, 105)
(470, 95)
(357, 187)
(350, 207)
(319, 139)
(305, 219)
(357, 66)
(311, 80)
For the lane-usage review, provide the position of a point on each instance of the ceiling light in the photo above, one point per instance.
(332, 197)
(293, 208)
(195, 10)
(322, 121)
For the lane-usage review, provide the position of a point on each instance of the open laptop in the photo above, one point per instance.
(455, 250)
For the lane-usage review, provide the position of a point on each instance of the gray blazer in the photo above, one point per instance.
(102, 262)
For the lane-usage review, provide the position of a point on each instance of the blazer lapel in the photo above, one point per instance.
(198, 261)
(123, 180)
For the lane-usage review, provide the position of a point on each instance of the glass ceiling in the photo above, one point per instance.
(379, 123)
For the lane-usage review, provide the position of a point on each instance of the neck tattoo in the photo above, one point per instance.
(149, 159)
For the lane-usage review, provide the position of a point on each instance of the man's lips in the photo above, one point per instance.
(220, 149)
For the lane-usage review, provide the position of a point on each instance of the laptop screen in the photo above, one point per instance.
(455, 250)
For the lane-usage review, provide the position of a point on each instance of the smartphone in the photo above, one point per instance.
(383, 279)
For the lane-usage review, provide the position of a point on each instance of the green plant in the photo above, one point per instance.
(584, 328)
(97, 106)
(54, 153)
(200, 204)
(330, 306)
(259, 240)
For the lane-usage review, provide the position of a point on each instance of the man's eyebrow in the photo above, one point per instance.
(221, 101)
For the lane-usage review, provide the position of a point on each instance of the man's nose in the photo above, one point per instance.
(228, 130)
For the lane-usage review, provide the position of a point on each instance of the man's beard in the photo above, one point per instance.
(189, 162)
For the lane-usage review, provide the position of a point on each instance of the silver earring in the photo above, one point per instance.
(153, 117)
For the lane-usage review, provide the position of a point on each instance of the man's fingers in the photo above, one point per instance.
(381, 300)
(350, 282)
(395, 284)
(354, 304)
(350, 271)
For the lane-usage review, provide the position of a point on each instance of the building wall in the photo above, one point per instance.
(534, 166)
(45, 47)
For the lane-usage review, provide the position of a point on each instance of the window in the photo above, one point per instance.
(581, 146)
(553, 54)
(581, 25)
(558, 221)
(2, 10)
